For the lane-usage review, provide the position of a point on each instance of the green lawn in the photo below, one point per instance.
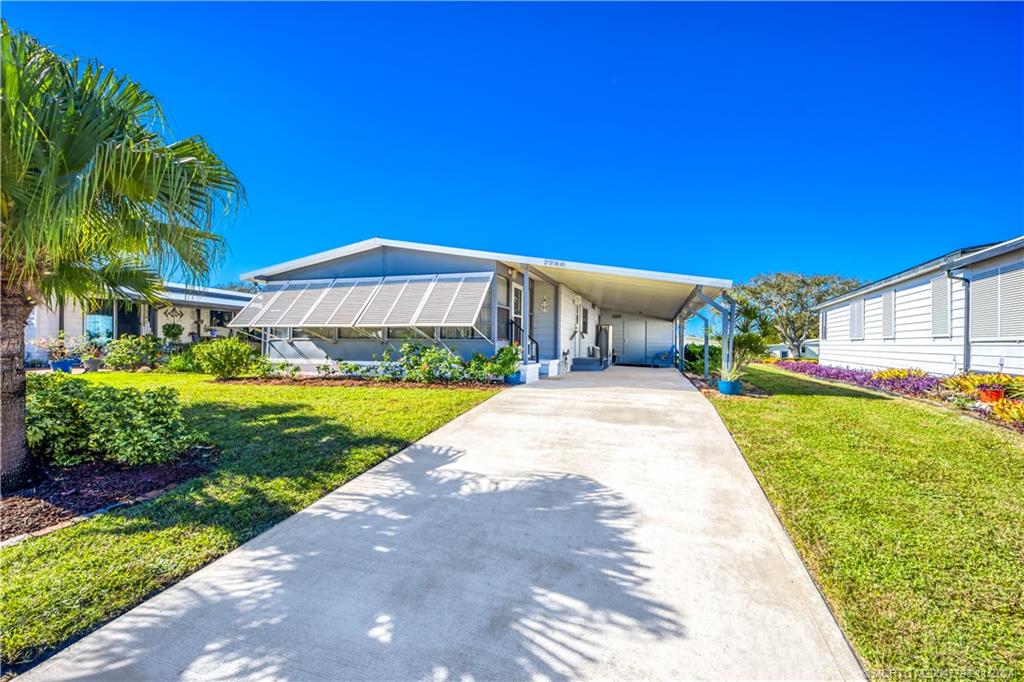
(910, 517)
(283, 448)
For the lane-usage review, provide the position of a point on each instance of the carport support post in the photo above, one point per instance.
(707, 339)
(526, 315)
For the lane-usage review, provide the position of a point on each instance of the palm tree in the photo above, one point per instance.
(93, 201)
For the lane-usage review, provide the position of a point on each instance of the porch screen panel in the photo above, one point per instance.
(439, 300)
(303, 304)
(403, 312)
(281, 305)
(377, 309)
(320, 315)
(466, 306)
(257, 305)
(349, 309)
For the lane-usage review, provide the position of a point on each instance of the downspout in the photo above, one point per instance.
(967, 317)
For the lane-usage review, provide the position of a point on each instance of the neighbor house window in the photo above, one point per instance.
(460, 333)
(503, 307)
(997, 303)
(220, 318)
(940, 306)
(857, 320)
(323, 333)
(888, 314)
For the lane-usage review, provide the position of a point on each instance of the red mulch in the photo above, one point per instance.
(67, 493)
(349, 381)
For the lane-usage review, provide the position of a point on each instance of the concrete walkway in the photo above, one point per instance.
(598, 526)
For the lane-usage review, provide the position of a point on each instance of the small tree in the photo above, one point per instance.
(747, 347)
(172, 331)
(788, 300)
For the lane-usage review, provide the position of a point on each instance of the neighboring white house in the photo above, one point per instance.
(963, 311)
(355, 302)
(809, 349)
(202, 311)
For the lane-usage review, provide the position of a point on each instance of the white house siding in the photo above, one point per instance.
(912, 345)
(567, 323)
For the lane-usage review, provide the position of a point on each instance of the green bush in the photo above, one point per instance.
(427, 364)
(227, 358)
(693, 358)
(54, 425)
(182, 361)
(71, 421)
(131, 352)
(129, 426)
(172, 331)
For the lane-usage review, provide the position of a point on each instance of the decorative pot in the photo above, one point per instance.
(64, 365)
(92, 364)
(516, 378)
(734, 387)
(991, 395)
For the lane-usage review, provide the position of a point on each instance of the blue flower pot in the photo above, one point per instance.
(62, 365)
(730, 387)
(516, 378)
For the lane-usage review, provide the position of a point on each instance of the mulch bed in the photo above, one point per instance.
(71, 492)
(749, 390)
(349, 381)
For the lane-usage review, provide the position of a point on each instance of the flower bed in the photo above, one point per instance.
(961, 391)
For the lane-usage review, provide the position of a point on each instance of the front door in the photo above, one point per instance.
(634, 342)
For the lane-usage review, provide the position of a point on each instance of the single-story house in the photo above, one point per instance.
(204, 312)
(354, 302)
(808, 349)
(963, 311)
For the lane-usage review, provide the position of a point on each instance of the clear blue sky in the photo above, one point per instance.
(713, 139)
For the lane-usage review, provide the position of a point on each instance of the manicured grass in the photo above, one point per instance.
(283, 448)
(911, 518)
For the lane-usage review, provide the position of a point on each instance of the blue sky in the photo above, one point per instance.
(713, 139)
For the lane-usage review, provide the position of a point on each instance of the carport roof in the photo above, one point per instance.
(656, 294)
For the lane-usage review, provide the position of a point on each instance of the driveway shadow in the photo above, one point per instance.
(416, 570)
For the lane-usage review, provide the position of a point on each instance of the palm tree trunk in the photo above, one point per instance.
(16, 467)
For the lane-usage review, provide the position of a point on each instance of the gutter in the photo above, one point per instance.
(967, 316)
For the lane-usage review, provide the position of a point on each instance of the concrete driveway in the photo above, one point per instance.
(598, 526)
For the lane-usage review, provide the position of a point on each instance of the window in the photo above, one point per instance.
(411, 333)
(99, 321)
(940, 306)
(502, 290)
(823, 325)
(460, 333)
(586, 321)
(857, 320)
(322, 333)
(280, 333)
(355, 333)
(888, 315)
(220, 318)
(997, 303)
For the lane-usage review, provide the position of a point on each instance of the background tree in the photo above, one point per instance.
(245, 287)
(788, 299)
(93, 200)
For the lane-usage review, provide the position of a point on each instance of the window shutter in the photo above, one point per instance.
(940, 306)
(985, 305)
(857, 319)
(1011, 302)
(823, 325)
(888, 321)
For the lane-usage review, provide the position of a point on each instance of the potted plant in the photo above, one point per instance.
(62, 357)
(746, 348)
(91, 353)
(991, 393)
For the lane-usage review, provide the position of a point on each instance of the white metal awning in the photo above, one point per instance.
(442, 300)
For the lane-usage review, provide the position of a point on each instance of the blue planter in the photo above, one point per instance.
(516, 378)
(63, 365)
(730, 387)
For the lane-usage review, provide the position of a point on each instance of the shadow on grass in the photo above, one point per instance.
(421, 571)
(781, 382)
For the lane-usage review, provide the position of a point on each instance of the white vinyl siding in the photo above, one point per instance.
(857, 320)
(940, 306)
(888, 315)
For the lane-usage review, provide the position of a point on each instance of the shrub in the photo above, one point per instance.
(129, 426)
(914, 382)
(172, 331)
(693, 358)
(56, 430)
(968, 383)
(227, 358)
(896, 374)
(182, 361)
(70, 421)
(426, 364)
(1011, 412)
(131, 352)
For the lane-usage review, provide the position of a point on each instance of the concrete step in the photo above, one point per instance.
(587, 365)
